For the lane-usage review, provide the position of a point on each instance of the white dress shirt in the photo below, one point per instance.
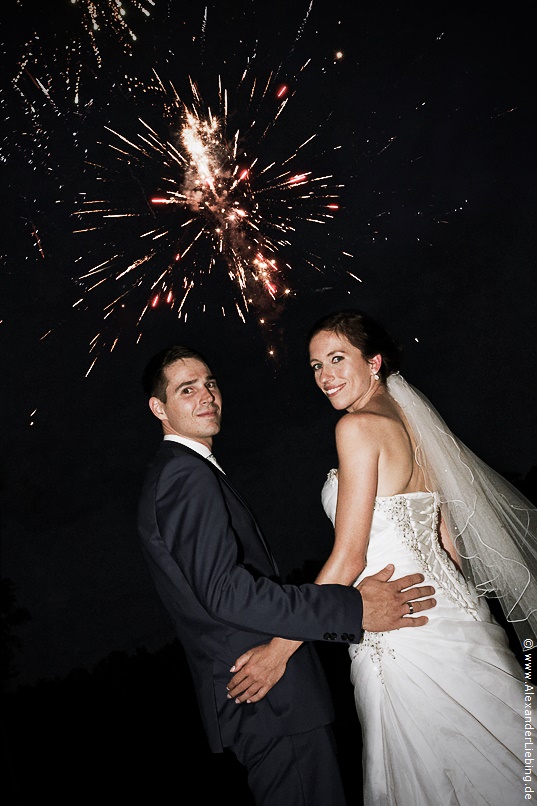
(203, 450)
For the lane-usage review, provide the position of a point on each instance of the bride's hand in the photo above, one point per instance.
(259, 669)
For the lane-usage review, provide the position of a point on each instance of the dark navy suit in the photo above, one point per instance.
(219, 582)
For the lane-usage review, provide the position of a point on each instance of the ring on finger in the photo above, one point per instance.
(410, 609)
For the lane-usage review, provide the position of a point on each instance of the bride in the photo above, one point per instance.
(441, 707)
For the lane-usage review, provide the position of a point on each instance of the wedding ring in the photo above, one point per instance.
(410, 609)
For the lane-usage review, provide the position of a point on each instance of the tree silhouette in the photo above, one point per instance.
(11, 616)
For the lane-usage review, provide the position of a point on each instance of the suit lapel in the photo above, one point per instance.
(236, 493)
(223, 478)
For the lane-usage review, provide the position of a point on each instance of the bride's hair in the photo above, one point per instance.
(365, 333)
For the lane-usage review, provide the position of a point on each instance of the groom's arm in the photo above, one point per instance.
(385, 607)
(189, 534)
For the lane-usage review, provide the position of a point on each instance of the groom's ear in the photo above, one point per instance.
(157, 407)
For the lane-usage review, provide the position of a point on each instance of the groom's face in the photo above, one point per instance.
(193, 405)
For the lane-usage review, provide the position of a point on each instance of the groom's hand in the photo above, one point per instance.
(390, 605)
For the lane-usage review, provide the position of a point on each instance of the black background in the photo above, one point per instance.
(425, 125)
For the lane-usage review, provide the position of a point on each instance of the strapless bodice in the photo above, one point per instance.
(405, 532)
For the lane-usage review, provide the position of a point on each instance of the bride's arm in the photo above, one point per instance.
(259, 669)
(357, 443)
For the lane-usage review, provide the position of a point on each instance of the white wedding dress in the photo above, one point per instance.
(440, 706)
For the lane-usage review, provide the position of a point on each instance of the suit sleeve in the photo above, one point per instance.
(194, 524)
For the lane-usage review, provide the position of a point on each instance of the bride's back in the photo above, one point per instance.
(398, 471)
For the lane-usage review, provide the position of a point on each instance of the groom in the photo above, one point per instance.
(219, 582)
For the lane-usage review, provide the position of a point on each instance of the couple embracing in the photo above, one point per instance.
(437, 689)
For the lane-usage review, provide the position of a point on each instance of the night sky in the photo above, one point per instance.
(421, 130)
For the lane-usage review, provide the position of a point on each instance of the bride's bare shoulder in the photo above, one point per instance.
(361, 424)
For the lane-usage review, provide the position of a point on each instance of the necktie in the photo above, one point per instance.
(212, 459)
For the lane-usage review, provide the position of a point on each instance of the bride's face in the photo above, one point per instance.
(341, 372)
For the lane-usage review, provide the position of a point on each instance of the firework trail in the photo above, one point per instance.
(66, 44)
(110, 15)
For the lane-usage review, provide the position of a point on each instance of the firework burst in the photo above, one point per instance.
(204, 205)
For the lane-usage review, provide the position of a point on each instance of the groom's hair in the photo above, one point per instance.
(154, 380)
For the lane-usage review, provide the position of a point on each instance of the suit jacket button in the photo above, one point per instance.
(344, 636)
(352, 637)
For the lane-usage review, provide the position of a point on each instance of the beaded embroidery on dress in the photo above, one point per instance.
(440, 706)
